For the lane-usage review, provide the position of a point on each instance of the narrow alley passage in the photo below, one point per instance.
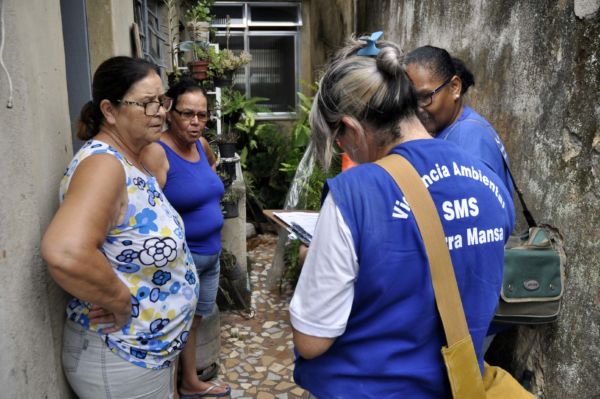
(256, 354)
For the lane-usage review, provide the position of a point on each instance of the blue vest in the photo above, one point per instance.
(475, 135)
(195, 191)
(391, 346)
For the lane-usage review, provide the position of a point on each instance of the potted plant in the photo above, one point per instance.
(234, 292)
(225, 64)
(229, 202)
(198, 19)
(226, 143)
(200, 53)
(234, 105)
(224, 176)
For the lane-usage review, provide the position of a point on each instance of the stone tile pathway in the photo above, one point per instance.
(256, 354)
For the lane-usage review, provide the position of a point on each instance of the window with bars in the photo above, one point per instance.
(147, 17)
(270, 32)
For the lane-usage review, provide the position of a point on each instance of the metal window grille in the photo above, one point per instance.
(147, 16)
(270, 32)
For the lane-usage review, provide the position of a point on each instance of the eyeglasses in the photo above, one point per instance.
(151, 108)
(425, 100)
(189, 115)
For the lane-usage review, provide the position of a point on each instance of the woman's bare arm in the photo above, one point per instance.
(210, 155)
(95, 201)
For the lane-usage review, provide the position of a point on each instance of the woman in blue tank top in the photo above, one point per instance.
(364, 317)
(184, 164)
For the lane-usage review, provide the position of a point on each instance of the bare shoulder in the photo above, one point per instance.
(154, 158)
(95, 201)
(101, 172)
(210, 155)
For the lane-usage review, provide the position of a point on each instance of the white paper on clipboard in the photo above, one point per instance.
(306, 220)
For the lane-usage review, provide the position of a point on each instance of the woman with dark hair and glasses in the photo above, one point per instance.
(441, 82)
(183, 164)
(364, 317)
(117, 245)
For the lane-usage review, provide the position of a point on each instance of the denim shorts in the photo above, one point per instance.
(94, 372)
(208, 268)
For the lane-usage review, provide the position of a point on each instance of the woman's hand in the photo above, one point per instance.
(115, 320)
(302, 252)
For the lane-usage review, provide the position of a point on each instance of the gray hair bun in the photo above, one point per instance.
(390, 60)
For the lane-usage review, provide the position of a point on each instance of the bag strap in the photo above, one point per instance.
(447, 296)
(528, 216)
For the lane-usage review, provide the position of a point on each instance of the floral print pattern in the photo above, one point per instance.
(147, 251)
(158, 251)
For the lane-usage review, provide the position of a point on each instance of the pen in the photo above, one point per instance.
(302, 234)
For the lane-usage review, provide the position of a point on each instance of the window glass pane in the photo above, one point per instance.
(235, 13)
(273, 14)
(272, 71)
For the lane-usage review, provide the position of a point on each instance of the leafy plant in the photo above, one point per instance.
(232, 194)
(225, 63)
(200, 12)
(300, 136)
(234, 102)
(172, 29)
(261, 155)
(231, 62)
(228, 136)
(234, 105)
(200, 50)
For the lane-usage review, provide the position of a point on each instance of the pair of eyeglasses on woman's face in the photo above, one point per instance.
(425, 99)
(151, 107)
(189, 115)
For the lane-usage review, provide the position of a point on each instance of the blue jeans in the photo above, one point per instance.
(94, 372)
(208, 268)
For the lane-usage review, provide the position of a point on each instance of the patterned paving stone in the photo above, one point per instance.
(256, 354)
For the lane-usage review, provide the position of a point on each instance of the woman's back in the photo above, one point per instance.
(392, 341)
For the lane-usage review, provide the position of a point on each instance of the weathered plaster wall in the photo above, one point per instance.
(35, 140)
(330, 24)
(109, 23)
(537, 69)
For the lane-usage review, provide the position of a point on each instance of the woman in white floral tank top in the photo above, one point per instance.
(118, 246)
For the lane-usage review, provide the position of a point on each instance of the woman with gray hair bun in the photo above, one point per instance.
(364, 316)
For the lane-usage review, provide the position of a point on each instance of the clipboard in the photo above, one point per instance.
(301, 229)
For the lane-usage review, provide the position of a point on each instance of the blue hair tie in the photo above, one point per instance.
(370, 50)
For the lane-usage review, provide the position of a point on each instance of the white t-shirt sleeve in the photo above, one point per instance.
(325, 291)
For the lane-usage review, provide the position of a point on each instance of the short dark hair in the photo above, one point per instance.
(182, 86)
(113, 78)
(441, 64)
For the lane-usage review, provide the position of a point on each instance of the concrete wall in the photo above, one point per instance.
(537, 72)
(329, 24)
(35, 140)
(109, 25)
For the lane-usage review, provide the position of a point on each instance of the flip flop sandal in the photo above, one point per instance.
(208, 392)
